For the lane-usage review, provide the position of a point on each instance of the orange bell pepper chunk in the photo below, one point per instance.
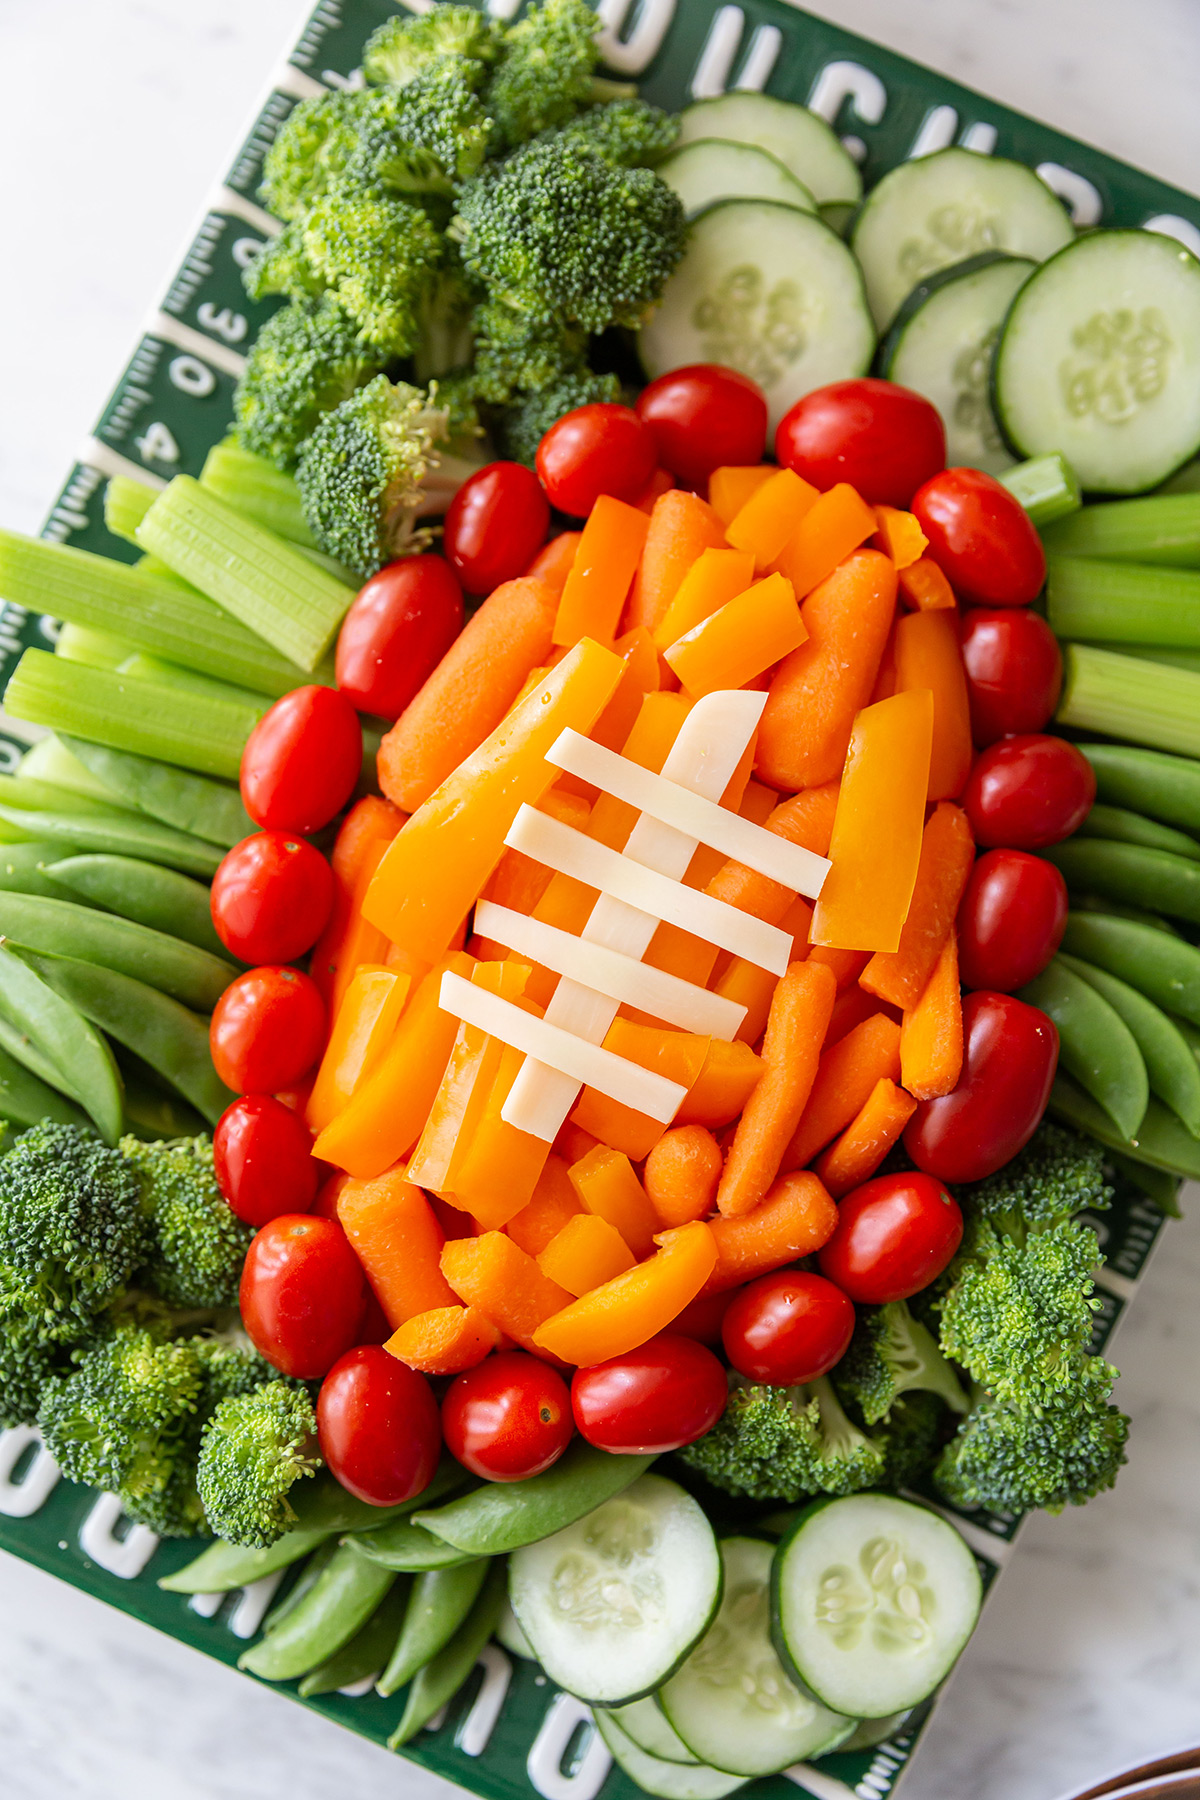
(899, 536)
(500, 1166)
(836, 524)
(444, 1341)
(608, 1187)
(925, 587)
(727, 1078)
(750, 633)
(362, 1029)
(715, 577)
(730, 486)
(553, 1202)
(396, 1238)
(602, 572)
(585, 1253)
(494, 1275)
(772, 515)
(634, 1307)
(679, 1055)
(928, 656)
(473, 1066)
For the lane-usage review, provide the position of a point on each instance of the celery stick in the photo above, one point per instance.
(1122, 603)
(1174, 657)
(1125, 697)
(99, 648)
(1046, 487)
(167, 724)
(51, 760)
(266, 583)
(257, 488)
(143, 667)
(1161, 528)
(126, 504)
(152, 612)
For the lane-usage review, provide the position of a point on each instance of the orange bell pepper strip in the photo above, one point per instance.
(679, 1055)
(500, 1167)
(947, 857)
(931, 1035)
(384, 1117)
(444, 1341)
(518, 881)
(363, 836)
(585, 1253)
(834, 526)
(436, 867)
(634, 1307)
(730, 486)
(681, 526)
(553, 1202)
(552, 564)
(396, 1238)
(600, 577)
(460, 1100)
(899, 536)
(608, 1187)
(791, 1052)
(642, 675)
(715, 577)
(772, 515)
(876, 843)
(848, 1072)
(750, 633)
(854, 1157)
(794, 1219)
(681, 1175)
(362, 1029)
(928, 656)
(727, 1078)
(925, 588)
(494, 1275)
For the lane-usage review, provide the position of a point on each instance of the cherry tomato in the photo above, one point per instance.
(302, 1294)
(508, 1417)
(377, 1422)
(598, 449)
(1014, 672)
(267, 1030)
(881, 438)
(262, 1153)
(788, 1328)
(1011, 920)
(981, 538)
(894, 1236)
(702, 417)
(1010, 1052)
(496, 524)
(1027, 792)
(657, 1398)
(302, 761)
(702, 1318)
(397, 632)
(271, 898)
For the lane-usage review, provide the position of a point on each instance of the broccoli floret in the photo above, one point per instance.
(253, 1449)
(378, 255)
(72, 1227)
(515, 354)
(1058, 1174)
(547, 70)
(401, 48)
(425, 137)
(911, 1436)
(28, 1360)
(199, 1243)
(523, 424)
(305, 360)
(282, 266)
(371, 468)
(229, 1364)
(311, 149)
(1010, 1458)
(779, 1443)
(561, 234)
(447, 338)
(628, 133)
(890, 1354)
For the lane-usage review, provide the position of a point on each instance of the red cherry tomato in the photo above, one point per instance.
(1014, 672)
(1027, 792)
(377, 1422)
(883, 439)
(302, 1294)
(1010, 1052)
(302, 760)
(508, 1417)
(262, 1152)
(788, 1328)
(598, 449)
(397, 632)
(1011, 920)
(702, 417)
(666, 1394)
(894, 1236)
(981, 538)
(267, 1030)
(271, 898)
(496, 524)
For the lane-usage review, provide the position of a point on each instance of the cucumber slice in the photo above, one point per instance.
(509, 1633)
(941, 345)
(613, 1603)
(1100, 359)
(767, 290)
(869, 1732)
(733, 1703)
(929, 214)
(667, 1780)
(716, 169)
(873, 1599)
(647, 1725)
(804, 143)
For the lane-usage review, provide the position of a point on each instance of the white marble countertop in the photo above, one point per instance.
(116, 117)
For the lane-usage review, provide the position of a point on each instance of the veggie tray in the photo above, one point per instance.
(802, 621)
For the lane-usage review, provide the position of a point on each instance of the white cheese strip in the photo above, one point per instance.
(589, 1064)
(570, 852)
(607, 972)
(789, 864)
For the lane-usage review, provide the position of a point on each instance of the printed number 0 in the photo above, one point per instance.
(191, 376)
(158, 445)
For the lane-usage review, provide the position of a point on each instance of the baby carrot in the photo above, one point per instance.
(795, 1218)
(854, 1157)
(947, 855)
(444, 1341)
(552, 564)
(681, 1174)
(931, 1036)
(847, 1073)
(681, 526)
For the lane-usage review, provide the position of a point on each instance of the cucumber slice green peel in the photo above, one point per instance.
(654, 1775)
(713, 169)
(645, 1722)
(809, 148)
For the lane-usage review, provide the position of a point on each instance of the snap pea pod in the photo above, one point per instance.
(1148, 781)
(25, 1098)
(503, 1516)
(51, 761)
(440, 1680)
(1158, 1185)
(163, 1033)
(21, 1047)
(152, 1113)
(1120, 826)
(306, 1578)
(408, 1547)
(1172, 1069)
(1189, 1033)
(64, 928)
(23, 868)
(367, 1653)
(220, 1567)
(335, 1608)
(1163, 967)
(162, 899)
(37, 1009)
(196, 804)
(1095, 1044)
(1113, 908)
(1163, 1141)
(440, 1602)
(1131, 873)
(117, 834)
